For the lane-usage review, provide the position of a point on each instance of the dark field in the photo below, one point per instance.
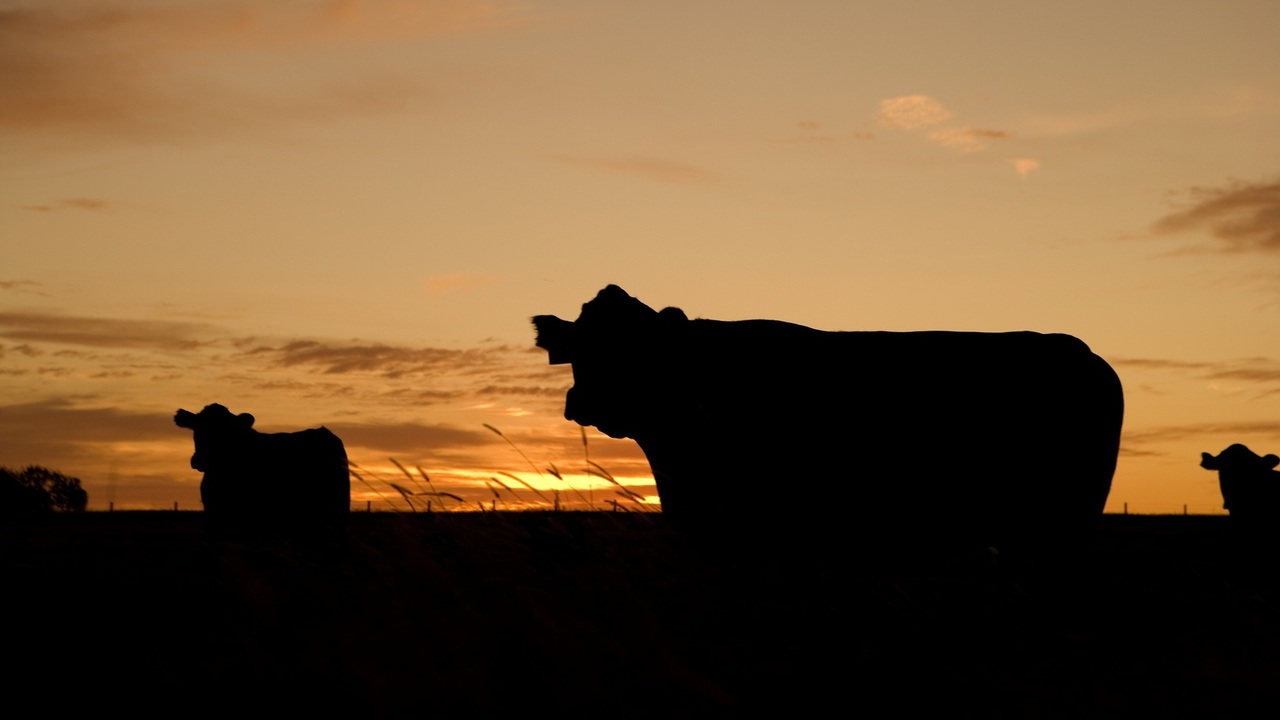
(603, 615)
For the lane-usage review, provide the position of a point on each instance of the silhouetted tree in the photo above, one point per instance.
(39, 490)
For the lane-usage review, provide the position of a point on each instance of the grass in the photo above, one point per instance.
(600, 614)
(413, 493)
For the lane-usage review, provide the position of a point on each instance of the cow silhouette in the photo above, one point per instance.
(1250, 484)
(261, 481)
(991, 437)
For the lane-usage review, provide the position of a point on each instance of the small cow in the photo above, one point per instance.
(1250, 484)
(253, 480)
(917, 434)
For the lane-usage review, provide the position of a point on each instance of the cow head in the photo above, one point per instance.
(1239, 458)
(622, 352)
(218, 432)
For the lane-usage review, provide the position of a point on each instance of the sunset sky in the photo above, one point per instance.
(344, 212)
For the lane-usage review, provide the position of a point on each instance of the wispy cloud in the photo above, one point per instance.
(119, 68)
(921, 112)
(642, 167)
(1024, 166)
(1244, 217)
(1208, 430)
(59, 428)
(458, 282)
(386, 360)
(103, 332)
(410, 438)
(966, 139)
(1261, 376)
(21, 286)
(92, 204)
(911, 112)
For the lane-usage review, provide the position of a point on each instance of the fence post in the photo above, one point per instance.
(175, 506)
(368, 506)
(1126, 508)
(111, 506)
(1184, 509)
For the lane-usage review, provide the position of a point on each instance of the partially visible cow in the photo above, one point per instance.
(1250, 484)
(932, 435)
(257, 481)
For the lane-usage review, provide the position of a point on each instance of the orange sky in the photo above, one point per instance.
(344, 212)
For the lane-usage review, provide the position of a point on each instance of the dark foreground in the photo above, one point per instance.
(598, 615)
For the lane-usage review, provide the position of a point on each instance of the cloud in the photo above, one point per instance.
(48, 430)
(918, 112)
(965, 139)
(70, 204)
(22, 286)
(1263, 374)
(103, 332)
(410, 438)
(1024, 166)
(1181, 432)
(642, 167)
(1245, 217)
(910, 112)
(1158, 364)
(124, 69)
(387, 360)
(457, 282)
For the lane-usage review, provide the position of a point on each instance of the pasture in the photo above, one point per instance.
(616, 615)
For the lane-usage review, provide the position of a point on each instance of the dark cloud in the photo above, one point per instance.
(388, 360)
(1155, 364)
(103, 332)
(24, 350)
(516, 390)
(1208, 430)
(410, 439)
(21, 286)
(118, 68)
(1244, 217)
(1254, 370)
(70, 204)
(56, 431)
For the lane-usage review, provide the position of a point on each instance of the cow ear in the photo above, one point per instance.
(184, 419)
(1208, 462)
(245, 419)
(672, 315)
(558, 337)
(1270, 461)
(612, 293)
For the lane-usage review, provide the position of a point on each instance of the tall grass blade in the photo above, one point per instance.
(556, 473)
(506, 487)
(545, 499)
(498, 432)
(355, 472)
(406, 494)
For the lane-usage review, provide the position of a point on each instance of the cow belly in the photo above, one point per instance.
(998, 449)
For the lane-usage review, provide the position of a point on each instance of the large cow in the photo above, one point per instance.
(993, 436)
(257, 481)
(1250, 484)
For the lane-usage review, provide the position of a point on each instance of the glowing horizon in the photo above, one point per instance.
(344, 213)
